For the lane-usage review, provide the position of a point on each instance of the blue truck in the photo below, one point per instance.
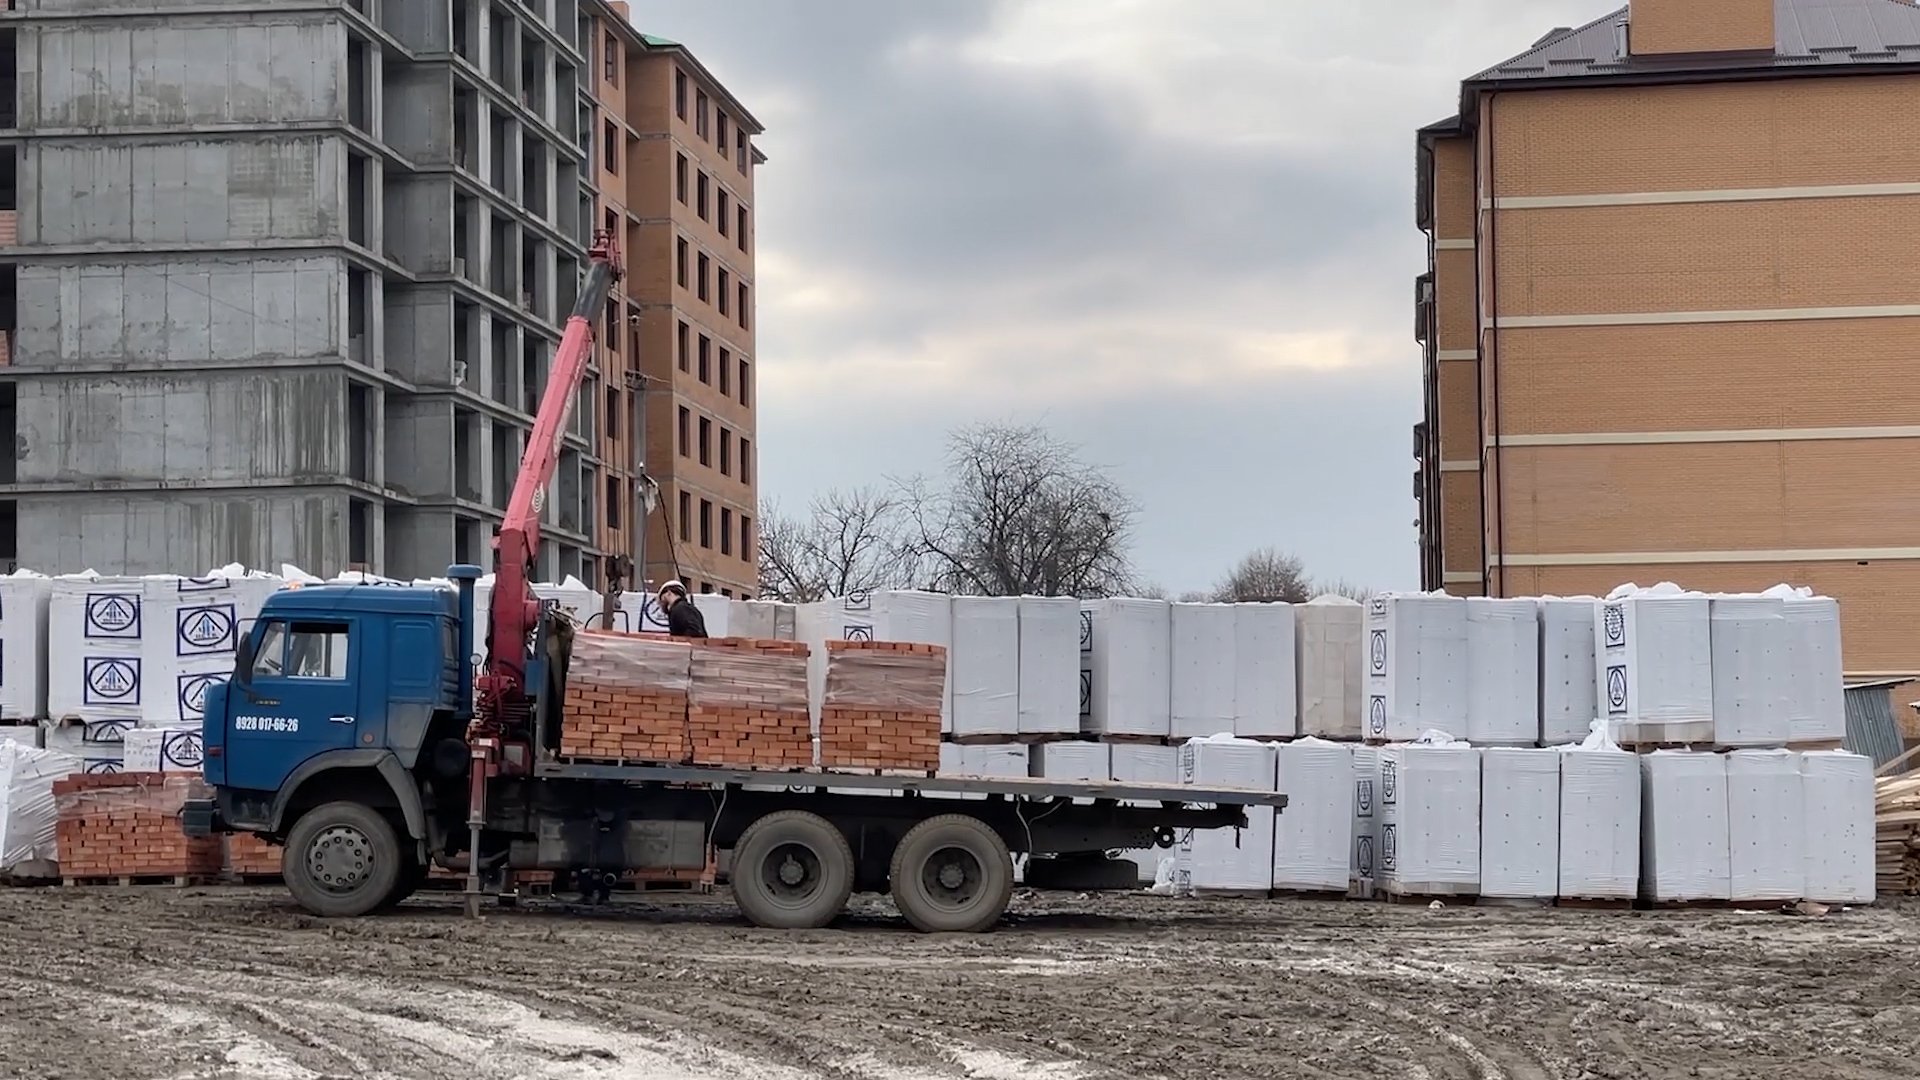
(356, 733)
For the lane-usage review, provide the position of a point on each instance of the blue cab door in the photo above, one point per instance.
(301, 699)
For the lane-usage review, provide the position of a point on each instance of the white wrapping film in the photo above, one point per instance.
(1129, 664)
(96, 629)
(1266, 698)
(1655, 667)
(173, 749)
(1416, 666)
(1753, 671)
(27, 809)
(1519, 822)
(1569, 702)
(1599, 821)
(919, 618)
(1503, 672)
(1239, 860)
(1072, 760)
(717, 612)
(194, 626)
(985, 665)
(1313, 837)
(98, 747)
(1766, 825)
(24, 734)
(1203, 669)
(1138, 763)
(1816, 693)
(23, 645)
(1001, 760)
(1684, 834)
(1330, 632)
(1049, 665)
(1365, 861)
(1430, 818)
(1839, 834)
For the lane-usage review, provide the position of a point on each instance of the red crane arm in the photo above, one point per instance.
(514, 609)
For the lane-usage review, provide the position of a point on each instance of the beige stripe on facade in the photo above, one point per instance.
(1458, 354)
(1459, 466)
(1721, 195)
(1676, 318)
(1460, 577)
(1454, 244)
(1676, 558)
(1659, 438)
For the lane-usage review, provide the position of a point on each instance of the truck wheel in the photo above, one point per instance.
(952, 874)
(792, 870)
(412, 875)
(342, 859)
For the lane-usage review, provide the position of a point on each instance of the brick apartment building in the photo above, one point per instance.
(1670, 314)
(674, 168)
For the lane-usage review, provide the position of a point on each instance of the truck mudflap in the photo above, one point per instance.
(198, 818)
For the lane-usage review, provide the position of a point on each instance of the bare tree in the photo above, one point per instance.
(1343, 587)
(849, 541)
(1266, 576)
(1021, 513)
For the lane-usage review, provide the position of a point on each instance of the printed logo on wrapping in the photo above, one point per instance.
(102, 766)
(1616, 689)
(1086, 693)
(652, 619)
(192, 693)
(181, 750)
(201, 631)
(1389, 848)
(1389, 781)
(1377, 651)
(857, 632)
(111, 680)
(1377, 715)
(1613, 626)
(1363, 854)
(106, 732)
(1086, 630)
(1377, 606)
(113, 615)
(1363, 798)
(857, 600)
(205, 584)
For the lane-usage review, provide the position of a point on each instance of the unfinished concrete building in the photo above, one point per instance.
(280, 281)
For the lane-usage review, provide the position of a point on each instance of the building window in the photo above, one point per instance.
(746, 462)
(680, 94)
(686, 425)
(613, 59)
(727, 593)
(726, 452)
(705, 275)
(726, 531)
(746, 537)
(613, 223)
(680, 178)
(721, 130)
(701, 189)
(743, 306)
(706, 442)
(613, 502)
(612, 150)
(680, 262)
(724, 213)
(686, 518)
(706, 525)
(740, 149)
(613, 326)
(700, 113)
(740, 230)
(706, 586)
(726, 372)
(681, 345)
(706, 352)
(613, 413)
(726, 287)
(743, 382)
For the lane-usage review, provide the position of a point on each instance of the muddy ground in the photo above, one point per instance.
(212, 984)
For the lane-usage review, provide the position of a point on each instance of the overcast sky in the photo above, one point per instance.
(1178, 232)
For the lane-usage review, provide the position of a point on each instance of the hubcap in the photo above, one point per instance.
(791, 873)
(340, 859)
(953, 878)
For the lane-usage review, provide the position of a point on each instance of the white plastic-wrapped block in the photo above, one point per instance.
(23, 734)
(1519, 822)
(1503, 672)
(1329, 633)
(27, 807)
(1365, 862)
(997, 760)
(1266, 699)
(1599, 820)
(1139, 763)
(99, 747)
(1072, 760)
(1129, 664)
(96, 631)
(919, 618)
(1684, 833)
(1203, 669)
(1766, 825)
(642, 613)
(1228, 860)
(1430, 818)
(1049, 665)
(985, 665)
(194, 625)
(23, 645)
(1752, 670)
(1569, 701)
(1839, 833)
(1816, 690)
(1655, 671)
(716, 611)
(1416, 666)
(1313, 836)
(162, 750)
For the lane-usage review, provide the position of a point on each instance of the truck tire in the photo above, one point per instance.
(792, 870)
(342, 860)
(412, 875)
(952, 874)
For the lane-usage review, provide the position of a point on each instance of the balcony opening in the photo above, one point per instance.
(465, 321)
(360, 428)
(9, 535)
(500, 363)
(9, 196)
(9, 78)
(359, 290)
(465, 258)
(466, 463)
(466, 127)
(500, 175)
(533, 76)
(498, 66)
(530, 276)
(463, 545)
(506, 463)
(613, 503)
(9, 313)
(534, 172)
(359, 533)
(500, 274)
(465, 30)
(360, 84)
(359, 172)
(569, 493)
(10, 432)
(533, 375)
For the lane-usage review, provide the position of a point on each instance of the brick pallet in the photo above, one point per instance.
(248, 856)
(747, 706)
(125, 827)
(626, 698)
(882, 704)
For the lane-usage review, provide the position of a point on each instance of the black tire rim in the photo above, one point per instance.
(340, 859)
(791, 875)
(952, 878)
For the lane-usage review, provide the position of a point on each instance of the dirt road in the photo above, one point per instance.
(215, 984)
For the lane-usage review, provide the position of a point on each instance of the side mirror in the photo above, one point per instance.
(243, 655)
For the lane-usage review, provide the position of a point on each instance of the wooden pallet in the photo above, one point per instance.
(177, 881)
(31, 873)
(1028, 739)
(1312, 894)
(1426, 899)
(1595, 903)
(1233, 894)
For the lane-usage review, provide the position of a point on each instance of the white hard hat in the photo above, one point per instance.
(673, 586)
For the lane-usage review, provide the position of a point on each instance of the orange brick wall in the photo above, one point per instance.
(1696, 26)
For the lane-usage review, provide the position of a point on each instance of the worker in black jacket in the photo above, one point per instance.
(683, 617)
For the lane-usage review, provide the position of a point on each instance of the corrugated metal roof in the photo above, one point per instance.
(1810, 34)
(1871, 729)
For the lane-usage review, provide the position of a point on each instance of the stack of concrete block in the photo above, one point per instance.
(1430, 818)
(1329, 640)
(1313, 836)
(1655, 664)
(881, 706)
(24, 597)
(747, 704)
(627, 698)
(1503, 672)
(157, 750)
(1228, 860)
(1416, 666)
(1145, 763)
(1569, 702)
(1599, 819)
(986, 667)
(1519, 823)
(1127, 663)
(128, 825)
(1049, 655)
(28, 809)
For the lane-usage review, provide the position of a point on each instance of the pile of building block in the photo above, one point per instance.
(747, 704)
(627, 697)
(881, 705)
(248, 856)
(127, 825)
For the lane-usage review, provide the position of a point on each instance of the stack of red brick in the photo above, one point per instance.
(748, 704)
(128, 825)
(882, 705)
(627, 698)
(250, 856)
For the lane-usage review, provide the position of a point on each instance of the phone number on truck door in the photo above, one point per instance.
(266, 723)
